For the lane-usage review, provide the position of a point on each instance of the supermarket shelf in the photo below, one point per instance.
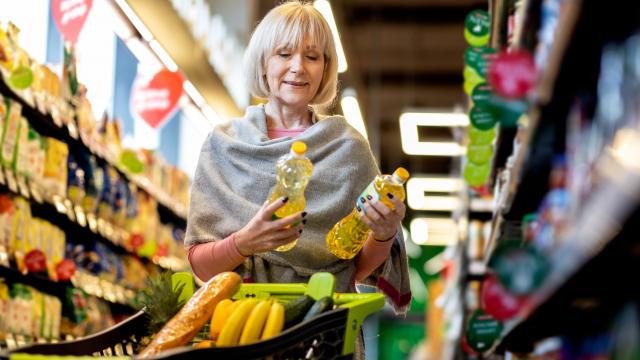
(102, 289)
(586, 284)
(573, 67)
(45, 125)
(80, 226)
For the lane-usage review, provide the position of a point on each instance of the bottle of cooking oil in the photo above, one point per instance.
(349, 234)
(293, 172)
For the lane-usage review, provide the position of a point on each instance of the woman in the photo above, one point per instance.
(291, 61)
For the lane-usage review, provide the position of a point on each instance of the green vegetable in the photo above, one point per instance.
(323, 304)
(295, 310)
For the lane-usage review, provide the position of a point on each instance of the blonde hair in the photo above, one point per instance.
(287, 25)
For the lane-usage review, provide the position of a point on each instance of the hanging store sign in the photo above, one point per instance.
(155, 99)
(70, 16)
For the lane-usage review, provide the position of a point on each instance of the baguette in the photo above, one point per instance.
(194, 314)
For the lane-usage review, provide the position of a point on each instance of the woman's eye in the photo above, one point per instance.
(283, 55)
(312, 58)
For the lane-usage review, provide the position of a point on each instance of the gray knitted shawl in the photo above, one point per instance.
(236, 172)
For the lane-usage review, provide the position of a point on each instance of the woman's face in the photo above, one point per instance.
(294, 75)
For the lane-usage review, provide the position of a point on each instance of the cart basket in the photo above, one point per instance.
(330, 335)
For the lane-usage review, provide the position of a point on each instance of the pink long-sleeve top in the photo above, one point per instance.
(209, 259)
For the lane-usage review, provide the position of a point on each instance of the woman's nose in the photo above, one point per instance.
(296, 65)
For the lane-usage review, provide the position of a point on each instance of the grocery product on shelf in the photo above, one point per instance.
(346, 238)
(293, 172)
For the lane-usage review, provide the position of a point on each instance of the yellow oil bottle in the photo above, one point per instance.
(293, 172)
(348, 235)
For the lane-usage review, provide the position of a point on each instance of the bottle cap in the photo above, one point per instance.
(402, 173)
(299, 147)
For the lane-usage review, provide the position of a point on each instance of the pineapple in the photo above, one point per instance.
(161, 300)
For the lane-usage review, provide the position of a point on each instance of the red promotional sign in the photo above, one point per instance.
(498, 302)
(155, 100)
(70, 16)
(513, 74)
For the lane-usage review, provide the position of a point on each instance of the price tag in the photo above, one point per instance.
(482, 119)
(482, 331)
(479, 154)
(481, 94)
(476, 175)
(477, 25)
(481, 137)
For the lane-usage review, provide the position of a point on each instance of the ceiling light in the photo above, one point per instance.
(446, 119)
(419, 185)
(411, 145)
(135, 20)
(324, 8)
(351, 111)
(433, 231)
(434, 203)
(163, 55)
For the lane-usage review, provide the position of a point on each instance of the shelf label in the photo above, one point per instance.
(520, 267)
(482, 331)
(477, 25)
(476, 175)
(481, 94)
(482, 119)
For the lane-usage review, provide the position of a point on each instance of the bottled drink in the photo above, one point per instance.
(349, 234)
(293, 172)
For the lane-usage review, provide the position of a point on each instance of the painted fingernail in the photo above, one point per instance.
(304, 221)
(369, 197)
(359, 208)
(362, 200)
(304, 213)
(390, 195)
(286, 198)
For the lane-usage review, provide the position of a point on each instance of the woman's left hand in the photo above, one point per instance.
(382, 220)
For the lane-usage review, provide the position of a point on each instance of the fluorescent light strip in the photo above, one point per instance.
(135, 20)
(434, 203)
(417, 185)
(163, 55)
(193, 93)
(324, 8)
(433, 231)
(442, 119)
(352, 113)
(412, 146)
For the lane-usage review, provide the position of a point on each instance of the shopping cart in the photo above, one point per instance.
(330, 335)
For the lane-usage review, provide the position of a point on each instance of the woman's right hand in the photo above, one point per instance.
(262, 234)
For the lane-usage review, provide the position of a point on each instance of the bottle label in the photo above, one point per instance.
(369, 194)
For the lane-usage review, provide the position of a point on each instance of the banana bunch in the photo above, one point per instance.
(245, 321)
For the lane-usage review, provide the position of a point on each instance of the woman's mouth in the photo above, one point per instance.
(295, 83)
